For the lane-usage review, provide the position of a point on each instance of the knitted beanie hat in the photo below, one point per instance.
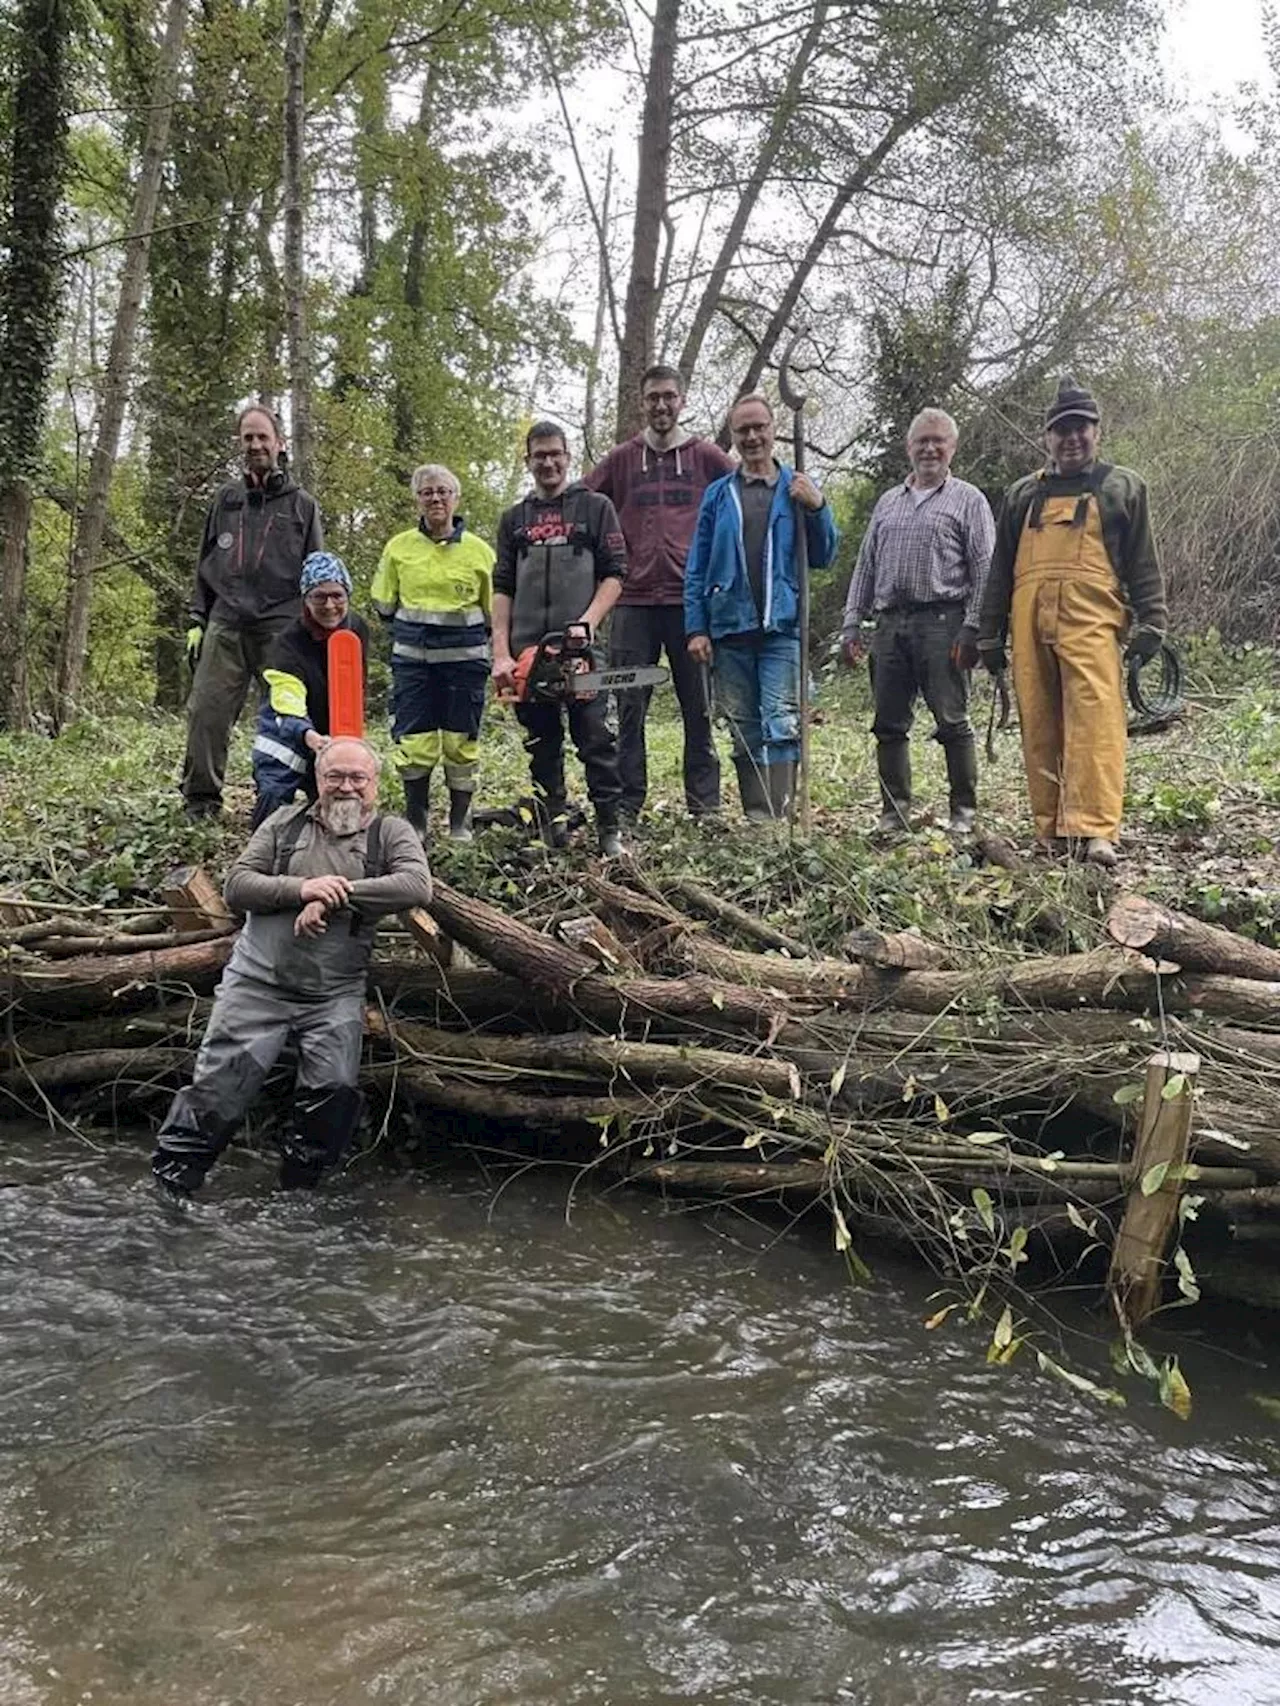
(320, 567)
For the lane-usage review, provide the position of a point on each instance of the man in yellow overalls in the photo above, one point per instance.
(1075, 575)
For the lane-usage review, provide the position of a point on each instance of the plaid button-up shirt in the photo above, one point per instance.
(936, 550)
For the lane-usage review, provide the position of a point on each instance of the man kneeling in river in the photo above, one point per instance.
(311, 883)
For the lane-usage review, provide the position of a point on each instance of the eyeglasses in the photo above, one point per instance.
(327, 597)
(662, 396)
(434, 492)
(357, 778)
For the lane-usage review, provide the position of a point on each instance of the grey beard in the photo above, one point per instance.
(342, 816)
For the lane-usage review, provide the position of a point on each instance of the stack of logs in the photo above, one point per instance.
(984, 1113)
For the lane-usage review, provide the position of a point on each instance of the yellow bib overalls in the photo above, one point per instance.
(1067, 621)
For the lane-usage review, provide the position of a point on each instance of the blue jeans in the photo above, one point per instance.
(758, 693)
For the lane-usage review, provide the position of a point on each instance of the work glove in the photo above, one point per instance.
(1144, 643)
(964, 654)
(994, 658)
(195, 639)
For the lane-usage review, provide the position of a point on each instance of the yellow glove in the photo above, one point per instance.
(195, 639)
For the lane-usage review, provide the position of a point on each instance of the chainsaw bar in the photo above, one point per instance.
(616, 680)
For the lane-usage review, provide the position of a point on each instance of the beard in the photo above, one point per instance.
(342, 816)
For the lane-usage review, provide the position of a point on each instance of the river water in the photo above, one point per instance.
(421, 1439)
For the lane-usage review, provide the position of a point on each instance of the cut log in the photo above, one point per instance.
(102, 1066)
(123, 982)
(194, 900)
(1158, 931)
(571, 977)
(543, 1113)
(1160, 1156)
(726, 912)
(903, 950)
(71, 947)
(608, 1059)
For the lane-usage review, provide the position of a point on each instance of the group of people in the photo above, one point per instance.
(685, 551)
(1069, 571)
(694, 556)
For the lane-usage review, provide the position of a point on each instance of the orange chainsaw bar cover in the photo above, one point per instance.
(346, 684)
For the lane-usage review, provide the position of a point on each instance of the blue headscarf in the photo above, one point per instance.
(322, 566)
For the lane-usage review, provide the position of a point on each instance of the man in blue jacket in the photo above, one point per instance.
(742, 604)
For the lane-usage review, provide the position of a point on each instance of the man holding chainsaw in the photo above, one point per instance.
(742, 603)
(560, 568)
(656, 480)
(920, 573)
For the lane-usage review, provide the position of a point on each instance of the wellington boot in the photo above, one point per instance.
(962, 784)
(416, 795)
(324, 1122)
(1100, 851)
(609, 840)
(895, 819)
(553, 822)
(754, 790)
(781, 782)
(893, 766)
(460, 814)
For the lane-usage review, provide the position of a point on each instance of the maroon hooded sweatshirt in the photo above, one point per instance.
(656, 494)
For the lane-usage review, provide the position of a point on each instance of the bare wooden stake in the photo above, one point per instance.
(1160, 1154)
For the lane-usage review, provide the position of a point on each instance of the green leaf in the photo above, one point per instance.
(1127, 1093)
(1270, 1405)
(942, 1113)
(838, 1077)
(983, 1137)
(1175, 1394)
(1016, 1246)
(1088, 1227)
(1153, 1178)
(753, 1140)
(1174, 1088)
(1081, 1383)
(843, 1240)
(940, 1317)
(985, 1207)
(1004, 1327)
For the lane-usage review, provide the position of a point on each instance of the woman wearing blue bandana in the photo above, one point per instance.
(293, 719)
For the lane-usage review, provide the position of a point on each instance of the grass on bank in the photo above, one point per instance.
(94, 817)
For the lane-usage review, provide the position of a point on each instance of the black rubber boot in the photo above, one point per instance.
(781, 780)
(187, 1145)
(460, 814)
(324, 1122)
(417, 791)
(609, 835)
(893, 763)
(962, 782)
(754, 790)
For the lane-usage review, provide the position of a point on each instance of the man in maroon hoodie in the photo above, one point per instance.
(656, 481)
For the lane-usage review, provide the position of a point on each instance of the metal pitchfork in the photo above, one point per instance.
(795, 401)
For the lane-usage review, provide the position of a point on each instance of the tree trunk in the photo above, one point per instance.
(294, 222)
(1158, 931)
(30, 291)
(591, 452)
(784, 110)
(122, 983)
(1137, 1260)
(570, 977)
(596, 1057)
(641, 312)
(74, 643)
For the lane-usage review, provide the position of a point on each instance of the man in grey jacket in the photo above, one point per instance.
(311, 882)
(258, 532)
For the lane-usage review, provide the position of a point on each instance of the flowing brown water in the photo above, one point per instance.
(403, 1442)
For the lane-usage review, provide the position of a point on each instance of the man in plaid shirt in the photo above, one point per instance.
(920, 575)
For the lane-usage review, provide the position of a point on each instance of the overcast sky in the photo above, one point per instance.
(1214, 45)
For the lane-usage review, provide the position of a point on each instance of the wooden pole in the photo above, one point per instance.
(1163, 1144)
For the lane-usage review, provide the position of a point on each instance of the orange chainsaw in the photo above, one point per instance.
(558, 670)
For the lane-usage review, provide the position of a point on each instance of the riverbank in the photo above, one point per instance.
(956, 1117)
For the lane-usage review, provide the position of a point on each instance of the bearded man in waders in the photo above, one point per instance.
(1075, 576)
